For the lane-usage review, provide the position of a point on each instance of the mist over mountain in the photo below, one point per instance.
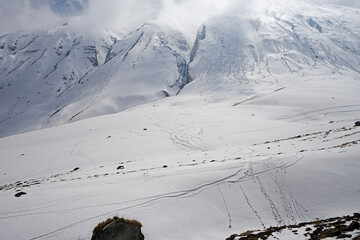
(185, 14)
(63, 7)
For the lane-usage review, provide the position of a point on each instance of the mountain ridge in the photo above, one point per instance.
(61, 74)
(80, 67)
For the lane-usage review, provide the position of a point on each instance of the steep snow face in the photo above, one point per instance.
(36, 68)
(247, 53)
(52, 77)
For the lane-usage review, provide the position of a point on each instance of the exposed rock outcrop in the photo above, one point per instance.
(339, 227)
(118, 229)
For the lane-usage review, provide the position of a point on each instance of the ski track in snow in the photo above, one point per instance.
(252, 208)
(322, 112)
(286, 211)
(242, 175)
(226, 207)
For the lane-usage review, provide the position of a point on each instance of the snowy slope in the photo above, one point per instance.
(262, 136)
(53, 77)
(245, 53)
(191, 169)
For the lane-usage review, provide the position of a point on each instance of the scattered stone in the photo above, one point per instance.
(108, 136)
(120, 167)
(337, 227)
(165, 166)
(354, 225)
(19, 194)
(145, 129)
(357, 124)
(76, 169)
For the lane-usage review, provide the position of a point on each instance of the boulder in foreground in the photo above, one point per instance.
(118, 229)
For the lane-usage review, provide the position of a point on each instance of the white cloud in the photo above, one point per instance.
(188, 15)
(185, 15)
(22, 14)
(348, 3)
(119, 13)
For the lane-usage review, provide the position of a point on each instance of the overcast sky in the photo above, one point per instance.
(186, 15)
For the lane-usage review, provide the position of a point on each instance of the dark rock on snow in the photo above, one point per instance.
(19, 194)
(118, 229)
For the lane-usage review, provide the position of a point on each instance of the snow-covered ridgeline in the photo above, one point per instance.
(56, 76)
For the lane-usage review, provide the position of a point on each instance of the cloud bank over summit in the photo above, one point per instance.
(17, 15)
(185, 15)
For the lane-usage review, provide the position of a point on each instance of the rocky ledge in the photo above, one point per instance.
(347, 227)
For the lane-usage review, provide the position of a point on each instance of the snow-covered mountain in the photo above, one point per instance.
(60, 75)
(245, 52)
(56, 76)
(253, 123)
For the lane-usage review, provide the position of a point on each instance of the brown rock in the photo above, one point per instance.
(118, 229)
